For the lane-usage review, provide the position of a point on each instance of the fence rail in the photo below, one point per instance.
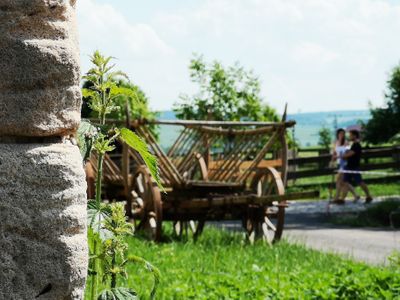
(377, 158)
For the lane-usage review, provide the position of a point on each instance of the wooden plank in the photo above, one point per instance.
(218, 123)
(274, 163)
(367, 153)
(242, 200)
(392, 178)
(142, 122)
(329, 171)
(260, 156)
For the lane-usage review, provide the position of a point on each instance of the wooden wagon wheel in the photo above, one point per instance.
(146, 203)
(194, 228)
(266, 221)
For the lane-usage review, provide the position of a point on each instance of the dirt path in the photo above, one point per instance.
(306, 222)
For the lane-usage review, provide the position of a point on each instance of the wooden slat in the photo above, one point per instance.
(219, 123)
(329, 171)
(274, 163)
(166, 163)
(260, 155)
(243, 200)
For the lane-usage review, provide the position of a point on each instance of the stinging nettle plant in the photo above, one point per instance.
(108, 226)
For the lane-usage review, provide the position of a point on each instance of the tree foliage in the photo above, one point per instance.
(325, 137)
(225, 94)
(137, 107)
(385, 121)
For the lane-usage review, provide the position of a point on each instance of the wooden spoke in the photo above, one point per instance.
(266, 221)
(189, 228)
(146, 204)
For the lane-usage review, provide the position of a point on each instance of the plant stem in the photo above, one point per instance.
(96, 270)
(99, 178)
(113, 275)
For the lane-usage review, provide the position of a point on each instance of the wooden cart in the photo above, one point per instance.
(214, 171)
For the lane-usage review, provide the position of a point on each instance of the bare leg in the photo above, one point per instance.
(339, 185)
(366, 190)
(353, 191)
(345, 190)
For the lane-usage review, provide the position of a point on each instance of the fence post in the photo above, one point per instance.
(396, 157)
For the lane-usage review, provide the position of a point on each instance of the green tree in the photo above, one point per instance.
(325, 137)
(225, 94)
(137, 108)
(385, 121)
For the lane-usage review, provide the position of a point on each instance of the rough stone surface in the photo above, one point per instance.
(43, 242)
(39, 78)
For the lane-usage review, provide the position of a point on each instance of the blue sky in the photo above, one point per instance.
(317, 55)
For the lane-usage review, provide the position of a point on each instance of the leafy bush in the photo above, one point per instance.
(380, 212)
(376, 215)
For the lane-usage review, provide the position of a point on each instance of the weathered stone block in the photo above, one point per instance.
(43, 245)
(39, 60)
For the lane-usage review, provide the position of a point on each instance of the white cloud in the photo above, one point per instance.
(328, 54)
(103, 27)
(314, 54)
(137, 47)
(308, 52)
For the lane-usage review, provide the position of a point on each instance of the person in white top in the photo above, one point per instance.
(340, 147)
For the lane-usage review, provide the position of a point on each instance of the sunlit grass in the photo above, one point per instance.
(222, 266)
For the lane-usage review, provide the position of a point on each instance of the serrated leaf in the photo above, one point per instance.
(149, 267)
(119, 293)
(136, 143)
(123, 91)
(86, 135)
(96, 214)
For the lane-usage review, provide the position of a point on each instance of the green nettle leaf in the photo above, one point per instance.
(119, 293)
(156, 272)
(136, 143)
(86, 135)
(97, 213)
(108, 224)
(123, 91)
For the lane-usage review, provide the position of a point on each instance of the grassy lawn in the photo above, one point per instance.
(221, 266)
(381, 189)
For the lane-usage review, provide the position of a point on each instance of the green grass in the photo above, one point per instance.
(377, 215)
(377, 190)
(222, 266)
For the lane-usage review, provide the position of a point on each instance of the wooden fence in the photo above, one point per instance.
(374, 158)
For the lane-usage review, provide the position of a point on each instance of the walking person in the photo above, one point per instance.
(339, 149)
(352, 168)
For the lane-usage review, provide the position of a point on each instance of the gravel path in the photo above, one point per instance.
(306, 222)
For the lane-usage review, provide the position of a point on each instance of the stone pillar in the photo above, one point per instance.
(43, 247)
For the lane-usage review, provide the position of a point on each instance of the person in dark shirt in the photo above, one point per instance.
(353, 157)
